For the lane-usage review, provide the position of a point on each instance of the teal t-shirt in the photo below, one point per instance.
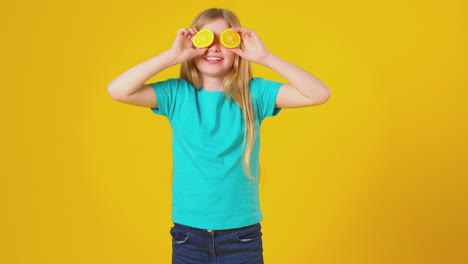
(210, 189)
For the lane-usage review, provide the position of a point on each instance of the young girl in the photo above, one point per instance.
(215, 110)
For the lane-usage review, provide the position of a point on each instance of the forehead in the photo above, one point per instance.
(217, 26)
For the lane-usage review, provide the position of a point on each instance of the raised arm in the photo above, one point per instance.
(130, 87)
(304, 89)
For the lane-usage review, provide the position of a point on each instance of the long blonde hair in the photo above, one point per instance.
(235, 83)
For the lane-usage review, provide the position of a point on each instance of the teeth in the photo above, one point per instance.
(211, 58)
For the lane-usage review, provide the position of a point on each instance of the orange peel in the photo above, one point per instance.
(229, 38)
(204, 38)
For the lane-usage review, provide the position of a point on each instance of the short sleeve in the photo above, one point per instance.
(264, 94)
(166, 94)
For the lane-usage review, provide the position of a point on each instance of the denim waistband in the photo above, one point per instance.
(201, 230)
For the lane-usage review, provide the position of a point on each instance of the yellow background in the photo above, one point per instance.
(376, 175)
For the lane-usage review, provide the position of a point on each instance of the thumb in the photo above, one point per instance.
(238, 51)
(199, 51)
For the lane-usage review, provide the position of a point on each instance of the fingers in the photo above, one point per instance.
(192, 31)
(243, 31)
(187, 32)
(239, 29)
(182, 33)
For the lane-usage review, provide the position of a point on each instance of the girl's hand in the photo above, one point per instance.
(182, 49)
(254, 50)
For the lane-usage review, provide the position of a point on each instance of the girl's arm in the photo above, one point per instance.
(304, 89)
(133, 79)
(130, 87)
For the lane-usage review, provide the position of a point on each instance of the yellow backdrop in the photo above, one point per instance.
(376, 175)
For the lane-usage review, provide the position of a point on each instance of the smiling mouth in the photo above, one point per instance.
(213, 59)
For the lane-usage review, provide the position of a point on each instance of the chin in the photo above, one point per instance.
(213, 73)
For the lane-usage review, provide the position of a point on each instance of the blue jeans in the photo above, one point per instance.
(229, 246)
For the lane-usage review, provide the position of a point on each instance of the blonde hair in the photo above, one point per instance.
(235, 83)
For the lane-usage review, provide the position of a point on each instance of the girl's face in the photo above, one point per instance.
(224, 58)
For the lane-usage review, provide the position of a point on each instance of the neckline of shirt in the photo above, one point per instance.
(201, 89)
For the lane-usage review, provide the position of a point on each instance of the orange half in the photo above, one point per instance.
(204, 38)
(229, 38)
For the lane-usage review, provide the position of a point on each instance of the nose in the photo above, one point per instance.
(215, 46)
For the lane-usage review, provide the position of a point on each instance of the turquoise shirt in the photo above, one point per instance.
(210, 189)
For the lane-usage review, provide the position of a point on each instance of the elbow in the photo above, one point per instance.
(112, 92)
(326, 96)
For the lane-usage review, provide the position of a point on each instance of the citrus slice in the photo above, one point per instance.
(204, 38)
(229, 38)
